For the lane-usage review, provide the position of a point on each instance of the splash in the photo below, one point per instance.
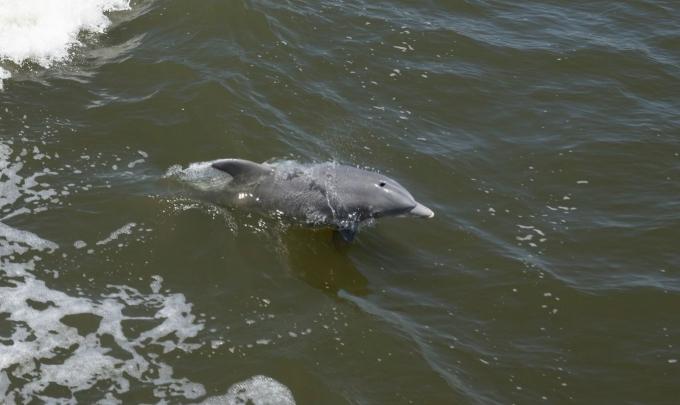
(3, 75)
(257, 390)
(200, 176)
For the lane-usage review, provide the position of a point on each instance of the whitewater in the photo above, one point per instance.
(45, 32)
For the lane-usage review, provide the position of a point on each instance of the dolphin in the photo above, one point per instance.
(324, 194)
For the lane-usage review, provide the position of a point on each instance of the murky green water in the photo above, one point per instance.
(545, 136)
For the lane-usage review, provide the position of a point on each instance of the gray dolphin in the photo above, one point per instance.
(324, 194)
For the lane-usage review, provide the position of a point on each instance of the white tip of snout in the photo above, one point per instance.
(421, 211)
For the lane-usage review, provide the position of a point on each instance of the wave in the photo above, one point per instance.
(44, 32)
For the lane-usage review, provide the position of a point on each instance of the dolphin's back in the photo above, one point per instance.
(301, 191)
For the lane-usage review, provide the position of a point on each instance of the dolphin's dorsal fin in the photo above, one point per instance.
(243, 171)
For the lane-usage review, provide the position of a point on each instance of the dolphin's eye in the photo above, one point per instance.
(382, 184)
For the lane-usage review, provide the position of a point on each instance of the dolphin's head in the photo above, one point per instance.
(376, 195)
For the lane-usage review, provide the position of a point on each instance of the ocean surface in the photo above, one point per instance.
(545, 135)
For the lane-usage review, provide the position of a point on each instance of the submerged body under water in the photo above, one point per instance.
(543, 134)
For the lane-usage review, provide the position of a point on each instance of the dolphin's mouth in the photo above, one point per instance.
(421, 211)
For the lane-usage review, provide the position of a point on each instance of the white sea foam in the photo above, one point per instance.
(257, 390)
(13, 239)
(38, 346)
(124, 230)
(41, 333)
(44, 31)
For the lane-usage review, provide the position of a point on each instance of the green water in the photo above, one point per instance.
(544, 135)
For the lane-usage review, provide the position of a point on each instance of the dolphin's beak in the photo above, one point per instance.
(421, 211)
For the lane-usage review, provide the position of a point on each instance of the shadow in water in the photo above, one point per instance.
(322, 261)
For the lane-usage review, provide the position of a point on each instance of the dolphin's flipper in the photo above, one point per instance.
(349, 231)
(243, 171)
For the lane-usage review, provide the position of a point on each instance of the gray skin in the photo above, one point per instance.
(325, 194)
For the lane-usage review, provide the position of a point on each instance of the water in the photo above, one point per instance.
(545, 136)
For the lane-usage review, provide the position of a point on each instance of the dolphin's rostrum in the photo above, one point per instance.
(323, 194)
